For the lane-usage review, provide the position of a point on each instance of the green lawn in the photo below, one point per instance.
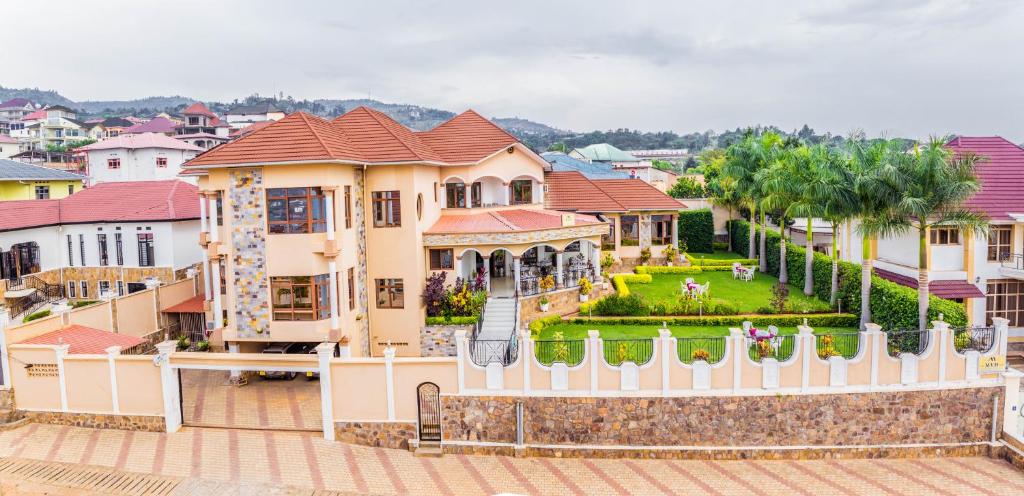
(718, 255)
(572, 331)
(749, 297)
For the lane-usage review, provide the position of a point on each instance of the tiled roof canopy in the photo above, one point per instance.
(82, 340)
(1001, 173)
(942, 288)
(198, 109)
(362, 135)
(573, 191)
(505, 221)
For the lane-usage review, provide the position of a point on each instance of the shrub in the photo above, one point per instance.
(961, 340)
(670, 252)
(607, 261)
(183, 343)
(705, 262)
(434, 293)
(37, 315)
(816, 320)
(618, 305)
(452, 320)
(645, 256)
(83, 303)
(700, 354)
(585, 286)
(547, 283)
(203, 346)
(648, 269)
(540, 324)
(720, 246)
(780, 293)
(697, 229)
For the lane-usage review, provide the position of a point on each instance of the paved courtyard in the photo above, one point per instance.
(304, 460)
(209, 401)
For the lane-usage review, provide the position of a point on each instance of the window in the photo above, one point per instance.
(104, 287)
(146, 250)
(999, 240)
(661, 229)
(301, 297)
(296, 210)
(101, 240)
(193, 121)
(85, 288)
(390, 293)
(348, 207)
(42, 192)
(608, 238)
(118, 249)
(113, 163)
(477, 190)
(223, 278)
(442, 259)
(387, 209)
(71, 289)
(520, 192)
(81, 247)
(351, 288)
(1005, 298)
(71, 189)
(944, 236)
(419, 206)
(161, 161)
(220, 208)
(455, 194)
(120, 288)
(71, 252)
(435, 192)
(629, 230)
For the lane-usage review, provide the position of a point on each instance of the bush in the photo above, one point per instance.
(720, 246)
(697, 230)
(648, 269)
(817, 320)
(451, 320)
(618, 305)
(585, 286)
(705, 262)
(540, 324)
(36, 316)
(645, 256)
(83, 303)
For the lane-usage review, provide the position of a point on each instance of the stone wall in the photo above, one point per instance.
(93, 275)
(99, 421)
(439, 340)
(562, 302)
(248, 243)
(362, 282)
(911, 417)
(377, 434)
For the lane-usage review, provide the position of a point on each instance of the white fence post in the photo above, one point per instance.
(61, 350)
(807, 349)
(112, 353)
(389, 380)
(169, 386)
(595, 360)
(666, 361)
(1011, 405)
(460, 357)
(942, 329)
(526, 348)
(874, 332)
(324, 353)
(1002, 334)
(5, 321)
(737, 350)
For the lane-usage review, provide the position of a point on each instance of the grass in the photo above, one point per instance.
(718, 255)
(749, 297)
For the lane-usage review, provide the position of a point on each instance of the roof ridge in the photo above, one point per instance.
(169, 199)
(500, 218)
(606, 193)
(373, 114)
(316, 134)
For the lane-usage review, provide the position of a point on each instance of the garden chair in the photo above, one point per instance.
(746, 326)
(703, 290)
(689, 280)
(736, 269)
(748, 275)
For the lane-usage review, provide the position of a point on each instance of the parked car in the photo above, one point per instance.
(279, 349)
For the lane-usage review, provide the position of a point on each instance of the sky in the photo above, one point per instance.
(909, 68)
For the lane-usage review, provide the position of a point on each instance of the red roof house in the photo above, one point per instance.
(1001, 173)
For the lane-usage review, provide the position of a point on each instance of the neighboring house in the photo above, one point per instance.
(246, 115)
(984, 272)
(637, 215)
(8, 146)
(59, 127)
(623, 161)
(11, 113)
(114, 126)
(329, 229)
(238, 133)
(160, 125)
(202, 128)
(112, 237)
(22, 181)
(137, 157)
(561, 162)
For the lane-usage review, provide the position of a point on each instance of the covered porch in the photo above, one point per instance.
(506, 273)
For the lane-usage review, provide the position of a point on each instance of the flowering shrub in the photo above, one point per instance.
(700, 354)
(585, 286)
(547, 283)
(670, 253)
(961, 340)
(826, 347)
(434, 293)
(462, 299)
(645, 256)
(607, 261)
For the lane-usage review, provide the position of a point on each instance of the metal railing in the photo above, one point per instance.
(907, 341)
(571, 276)
(569, 352)
(844, 344)
(529, 285)
(43, 293)
(619, 351)
(780, 347)
(977, 338)
(708, 349)
(1013, 261)
(487, 351)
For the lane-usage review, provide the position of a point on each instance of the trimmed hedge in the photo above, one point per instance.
(660, 269)
(815, 320)
(705, 262)
(36, 316)
(436, 321)
(892, 306)
(538, 325)
(620, 281)
(697, 230)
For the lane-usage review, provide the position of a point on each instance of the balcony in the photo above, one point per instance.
(490, 192)
(1012, 266)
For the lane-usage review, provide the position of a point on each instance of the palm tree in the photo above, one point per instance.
(933, 183)
(743, 161)
(780, 190)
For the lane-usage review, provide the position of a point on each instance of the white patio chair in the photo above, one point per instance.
(689, 280)
(736, 269)
(746, 326)
(748, 275)
(704, 289)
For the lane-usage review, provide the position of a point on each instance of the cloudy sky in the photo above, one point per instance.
(898, 67)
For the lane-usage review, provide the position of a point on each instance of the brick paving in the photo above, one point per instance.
(209, 401)
(233, 457)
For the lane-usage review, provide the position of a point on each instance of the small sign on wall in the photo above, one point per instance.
(991, 364)
(568, 220)
(42, 370)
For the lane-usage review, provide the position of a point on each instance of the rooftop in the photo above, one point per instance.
(15, 103)
(257, 109)
(501, 221)
(11, 170)
(86, 340)
(1001, 175)
(137, 201)
(571, 190)
(198, 108)
(603, 152)
(941, 288)
(561, 162)
(154, 125)
(139, 141)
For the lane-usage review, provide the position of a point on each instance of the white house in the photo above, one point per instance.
(109, 237)
(8, 146)
(246, 115)
(984, 272)
(137, 157)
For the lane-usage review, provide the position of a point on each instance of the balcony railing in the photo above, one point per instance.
(530, 285)
(1013, 261)
(980, 339)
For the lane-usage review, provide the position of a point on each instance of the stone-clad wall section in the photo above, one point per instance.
(359, 197)
(439, 340)
(100, 421)
(248, 240)
(377, 434)
(911, 417)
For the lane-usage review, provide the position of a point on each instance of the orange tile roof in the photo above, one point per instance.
(86, 340)
(499, 221)
(635, 194)
(191, 305)
(362, 135)
(199, 108)
(571, 190)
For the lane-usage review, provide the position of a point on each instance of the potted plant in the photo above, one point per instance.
(585, 289)
(645, 256)
(700, 354)
(547, 283)
(203, 346)
(670, 253)
(544, 303)
(183, 343)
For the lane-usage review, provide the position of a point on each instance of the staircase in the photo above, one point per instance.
(493, 339)
(28, 293)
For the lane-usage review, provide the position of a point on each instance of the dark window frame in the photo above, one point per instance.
(118, 248)
(147, 252)
(81, 248)
(161, 162)
(943, 236)
(1000, 242)
(101, 242)
(71, 251)
(437, 263)
(520, 192)
(351, 288)
(629, 230)
(390, 293)
(387, 208)
(1005, 298)
(316, 289)
(348, 207)
(84, 289)
(315, 206)
(455, 195)
(664, 224)
(42, 192)
(113, 163)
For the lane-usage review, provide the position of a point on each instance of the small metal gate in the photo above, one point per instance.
(429, 408)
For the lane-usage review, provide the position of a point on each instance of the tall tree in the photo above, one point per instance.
(743, 161)
(780, 191)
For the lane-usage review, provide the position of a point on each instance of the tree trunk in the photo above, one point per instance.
(809, 261)
(763, 256)
(783, 270)
(753, 232)
(865, 283)
(834, 293)
(728, 228)
(922, 280)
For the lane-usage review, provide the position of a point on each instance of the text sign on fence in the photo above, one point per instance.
(991, 364)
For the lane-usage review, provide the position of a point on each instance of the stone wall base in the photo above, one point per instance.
(1012, 451)
(376, 434)
(148, 423)
(725, 453)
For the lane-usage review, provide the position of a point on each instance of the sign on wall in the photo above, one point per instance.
(991, 364)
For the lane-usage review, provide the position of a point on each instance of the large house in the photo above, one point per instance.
(137, 157)
(110, 238)
(23, 181)
(57, 126)
(603, 153)
(202, 127)
(9, 146)
(247, 115)
(984, 272)
(11, 113)
(294, 209)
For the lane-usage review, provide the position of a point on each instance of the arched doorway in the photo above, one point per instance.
(500, 269)
(428, 405)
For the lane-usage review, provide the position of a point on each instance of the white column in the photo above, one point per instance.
(214, 229)
(516, 269)
(595, 260)
(169, 386)
(943, 331)
(61, 350)
(487, 273)
(324, 352)
(112, 354)
(1011, 405)
(329, 212)
(807, 348)
(559, 273)
(526, 348)
(1002, 327)
(594, 350)
(332, 271)
(203, 225)
(737, 351)
(5, 321)
(874, 332)
(665, 336)
(389, 380)
(218, 310)
(236, 374)
(469, 195)
(460, 358)
(204, 228)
